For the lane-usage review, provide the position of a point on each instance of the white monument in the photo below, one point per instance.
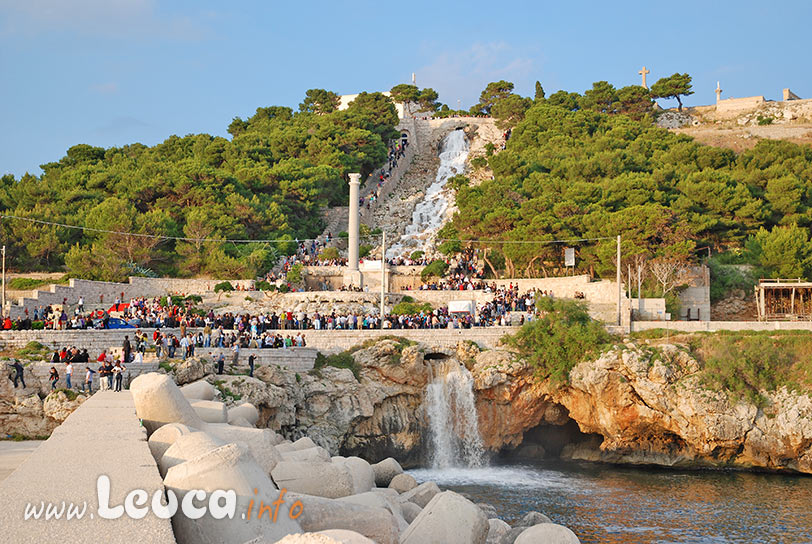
(352, 277)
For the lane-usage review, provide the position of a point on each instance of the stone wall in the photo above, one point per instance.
(295, 358)
(103, 292)
(102, 437)
(731, 107)
(713, 326)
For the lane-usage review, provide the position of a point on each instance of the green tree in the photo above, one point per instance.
(509, 111)
(539, 95)
(673, 86)
(634, 101)
(783, 252)
(428, 100)
(602, 97)
(319, 101)
(564, 99)
(405, 93)
(493, 93)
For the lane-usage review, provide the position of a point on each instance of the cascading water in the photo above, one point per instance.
(453, 425)
(430, 214)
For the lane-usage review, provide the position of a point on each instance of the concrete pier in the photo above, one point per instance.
(102, 437)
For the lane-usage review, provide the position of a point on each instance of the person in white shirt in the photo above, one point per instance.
(68, 374)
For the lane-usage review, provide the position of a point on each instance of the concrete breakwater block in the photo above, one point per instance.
(158, 401)
(260, 442)
(199, 390)
(210, 411)
(363, 477)
(320, 514)
(245, 410)
(385, 471)
(449, 518)
(165, 436)
(186, 448)
(310, 454)
(229, 467)
(379, 500)
(550, 533)
(241, 422)
(342, 536)
(313, 478)
(410, 511)
(497, 528)
(421, 495)
(403, 483)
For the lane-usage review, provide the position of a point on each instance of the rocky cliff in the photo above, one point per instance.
(633, 404)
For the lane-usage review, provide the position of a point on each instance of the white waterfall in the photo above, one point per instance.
(453, 426)
(430, 214)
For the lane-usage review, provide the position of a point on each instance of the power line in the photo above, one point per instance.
(280, 240)
(158, 236)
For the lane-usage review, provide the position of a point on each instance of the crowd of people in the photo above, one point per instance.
(397, 150)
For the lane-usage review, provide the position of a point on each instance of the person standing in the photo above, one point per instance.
(68, 373)
(118, 370)
(251, 359)
(88, 380)
(81, 304)
(221, 361)
(53, 377)
(108, 371)
(127, 348)
(235, 353)
(19, 374)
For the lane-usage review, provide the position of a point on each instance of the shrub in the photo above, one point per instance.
(223, 286)
(32, 350)
(764, 120)
(283, 288)
(364, 250)
(344, 234)
(561, 338)
(407, 298)
(329, 253)
(295, 274)
(26, 284)
(435, 268)
(416, 255)
(339, 360)
(38, 325)
(743, 366)
(411, 308)
(479, 162)
(726, 278)
(262, 286)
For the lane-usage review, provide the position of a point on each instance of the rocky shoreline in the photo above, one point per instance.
(631, 405)
(199, 444)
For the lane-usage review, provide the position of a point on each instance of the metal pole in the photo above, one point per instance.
(639, 298)
(4, 281)
(383, 274)
(619, 285)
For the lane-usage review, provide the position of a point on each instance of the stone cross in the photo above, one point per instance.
(644, 73)
(718, 92)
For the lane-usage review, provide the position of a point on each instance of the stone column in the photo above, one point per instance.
(353, 230)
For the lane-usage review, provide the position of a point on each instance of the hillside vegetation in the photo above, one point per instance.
(268, 182)
(570, 171)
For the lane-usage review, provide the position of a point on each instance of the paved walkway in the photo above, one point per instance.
(12, 455)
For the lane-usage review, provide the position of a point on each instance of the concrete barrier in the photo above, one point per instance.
(105, 432)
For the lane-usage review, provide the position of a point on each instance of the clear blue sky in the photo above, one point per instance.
(111, 72)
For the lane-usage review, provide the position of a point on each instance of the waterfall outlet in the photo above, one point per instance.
(430, 213)
(451, 411)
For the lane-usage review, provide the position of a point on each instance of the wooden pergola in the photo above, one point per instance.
(779, 299)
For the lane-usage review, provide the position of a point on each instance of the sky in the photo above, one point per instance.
(113, 72)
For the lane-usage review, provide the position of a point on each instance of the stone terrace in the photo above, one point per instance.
(294, 358)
